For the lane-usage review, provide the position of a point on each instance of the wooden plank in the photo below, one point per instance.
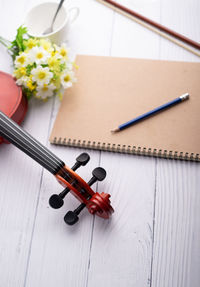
(131, 39)
(176, 240)
(92, 31)
(20, 179)
(20, 176)
(183, 17)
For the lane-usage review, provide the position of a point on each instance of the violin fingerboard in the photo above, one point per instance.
(26, 143)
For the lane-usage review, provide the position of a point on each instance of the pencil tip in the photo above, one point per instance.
(185, 97)
(115, 130)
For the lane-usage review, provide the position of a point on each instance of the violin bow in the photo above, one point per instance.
(96, 203)
(163, 31)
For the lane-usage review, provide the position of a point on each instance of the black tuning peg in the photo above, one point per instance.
(81, 160)
(99, 174)
(71, 217)
(56, 200)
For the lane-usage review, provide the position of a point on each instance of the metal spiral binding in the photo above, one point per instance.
(127, 149)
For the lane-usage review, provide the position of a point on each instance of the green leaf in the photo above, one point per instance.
(44, 65)
(62, 67)
(29, 69)
(27, 93)
(17, 45)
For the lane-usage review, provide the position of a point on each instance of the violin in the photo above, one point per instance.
(12, 101)
(96, 203)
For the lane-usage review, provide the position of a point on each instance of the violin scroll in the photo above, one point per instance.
(96, 203)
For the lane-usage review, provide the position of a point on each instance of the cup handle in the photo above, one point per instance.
(73, 14)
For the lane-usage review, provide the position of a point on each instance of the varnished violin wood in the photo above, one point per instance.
(12, 101)
(81, 184)
(96, 203)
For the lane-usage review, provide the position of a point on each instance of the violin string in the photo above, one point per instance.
(29, 137)
(39, 158)
(33, 149)
(27, 149)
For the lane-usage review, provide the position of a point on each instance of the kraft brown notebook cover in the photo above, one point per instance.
(110, 91)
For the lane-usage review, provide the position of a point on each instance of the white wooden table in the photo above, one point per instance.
(153, 238)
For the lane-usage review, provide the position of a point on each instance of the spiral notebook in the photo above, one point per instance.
(110, 91)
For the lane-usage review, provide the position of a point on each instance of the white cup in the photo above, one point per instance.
(39, 18)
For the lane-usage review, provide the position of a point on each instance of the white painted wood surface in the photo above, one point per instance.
(153, 238)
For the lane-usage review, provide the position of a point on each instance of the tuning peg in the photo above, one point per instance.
(56, 200)
(81, 160)
(99, 174)
(71, 217)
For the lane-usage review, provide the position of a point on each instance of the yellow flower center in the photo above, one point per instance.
(21, 60)
(52, 61)
(67, 78)
(41, 75)
(45, 88)
(46, 46)
(39, 55)
(22, 71)
(31, 45)
(63, 52)
(30, 85)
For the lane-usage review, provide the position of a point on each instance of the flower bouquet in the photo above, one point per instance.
(42, 68)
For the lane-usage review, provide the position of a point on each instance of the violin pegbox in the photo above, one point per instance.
(56, 200)
(96, 203)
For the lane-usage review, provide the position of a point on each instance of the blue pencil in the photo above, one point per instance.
(152, 112)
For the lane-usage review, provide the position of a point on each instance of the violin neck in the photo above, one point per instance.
(25, 142)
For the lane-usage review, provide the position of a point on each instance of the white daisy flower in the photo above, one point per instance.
(46, 44)
(41, 75)
(39, 55)
(22, 60)
(22, 81)
(67, 78)
(45, 91)
(62, 51)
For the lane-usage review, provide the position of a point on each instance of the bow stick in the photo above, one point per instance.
(153, 26)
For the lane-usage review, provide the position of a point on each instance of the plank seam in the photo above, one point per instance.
(33, 229)
(90, 251)
(112, 29)
(153, 229)
(92, 233)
